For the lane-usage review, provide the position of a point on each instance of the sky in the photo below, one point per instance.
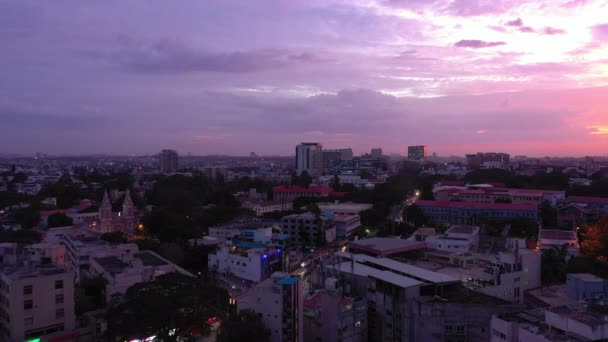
(235, 76)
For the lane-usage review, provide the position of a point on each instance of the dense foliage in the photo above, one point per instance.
(246, 325)
(168, 307)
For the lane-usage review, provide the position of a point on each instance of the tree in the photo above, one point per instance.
(23, 236)
(595, 244)
(113, 237)
(167, 307)
(90, 294)
(415, 216)
(59, 220)
(172, 252)
(335, 184)
(553, 265)
(303, 179)
(27, 217)
(548, 214)
(246, 325)
(20, 177)
(366, 174)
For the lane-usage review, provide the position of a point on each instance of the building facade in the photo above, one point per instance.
(417, 153)
(308, 229)
(125, 221)
(36, 301)
(309, 158)
(472, 213)
(490, 160)
(278, 301)
(167, 160)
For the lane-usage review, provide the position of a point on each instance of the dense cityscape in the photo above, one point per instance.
(324, 245)
(304, 171)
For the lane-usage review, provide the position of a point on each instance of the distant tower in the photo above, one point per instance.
(168, 161)
(128, 214)
(105, 214)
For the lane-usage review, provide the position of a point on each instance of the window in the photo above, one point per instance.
(58, 284)
(28, 321)
(59, 313)
(28, 304)
(27, 289)
(59, 299)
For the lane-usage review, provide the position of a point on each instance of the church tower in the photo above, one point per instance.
(128, 214)
(105, 214)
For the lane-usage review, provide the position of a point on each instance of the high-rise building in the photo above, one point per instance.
(279, 302)
(376, 153)
(416, 153)
(333, 159)
(309, 158)
(168, 161)
(489, 160)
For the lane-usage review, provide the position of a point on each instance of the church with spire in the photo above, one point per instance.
(124, 221)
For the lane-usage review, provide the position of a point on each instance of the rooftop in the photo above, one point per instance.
(24, 272)
(111, 264)
(549, 296)
(386, 246)
(294, 188)
(586, 199)
(400, 268)
(149, 258)
(586, 277)
(384, 275)
(474, 205)
(555, 234)
(462, 229)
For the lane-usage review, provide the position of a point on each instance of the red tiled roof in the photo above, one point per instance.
(558, 234)
(461, 229)
(56, 211)
(451, 183)
(319, 189)
(586, 199)
(497, 206)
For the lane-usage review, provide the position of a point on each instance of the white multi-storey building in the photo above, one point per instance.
(278, 300)
(307, 226)
(309, 159)
(122, 271)
(246, 260)
(455, 239)
(36, 301)
(505, 275)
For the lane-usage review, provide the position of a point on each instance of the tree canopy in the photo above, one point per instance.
(59, 220)
(595, 245)
(168, 307)
(246, 325)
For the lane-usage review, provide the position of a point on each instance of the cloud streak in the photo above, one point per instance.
(477, 44)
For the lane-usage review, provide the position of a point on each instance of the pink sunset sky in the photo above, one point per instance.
(235, 76)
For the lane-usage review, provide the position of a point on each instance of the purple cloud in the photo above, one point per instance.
(517, 22)
(600, 32)
(526, 29)
(468, 8)
(477, 44)
(497, 28)
(552, 30)
(575, 3)
(171, 56)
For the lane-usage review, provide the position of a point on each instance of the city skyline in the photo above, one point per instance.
(228, 77)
